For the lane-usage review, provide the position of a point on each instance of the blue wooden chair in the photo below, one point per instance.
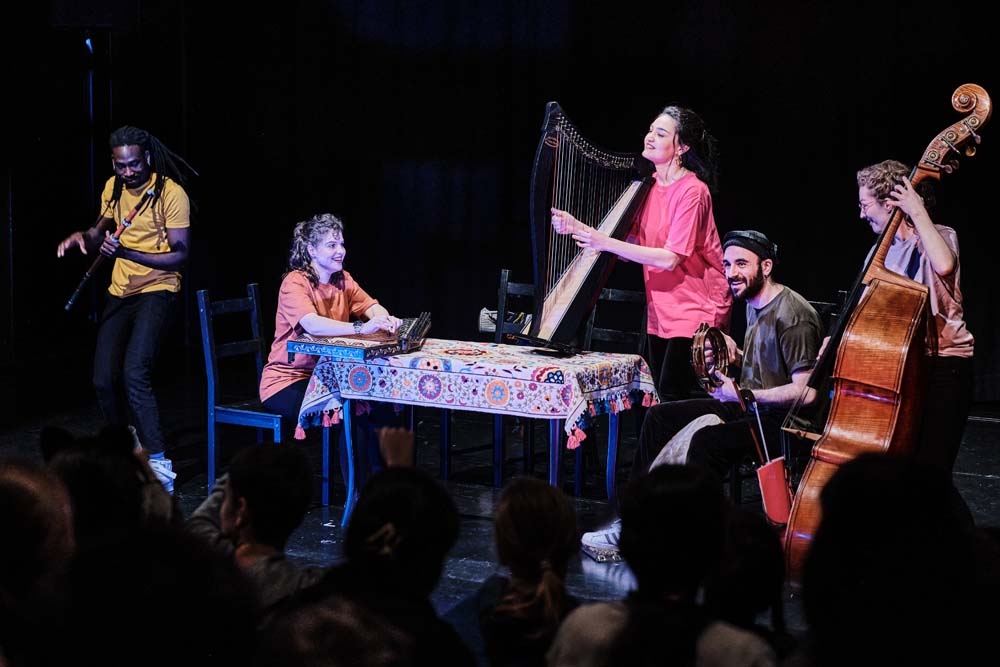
(525, 291)
(241, 411)
(631, 341)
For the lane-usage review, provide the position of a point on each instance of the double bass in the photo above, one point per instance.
(875, 358)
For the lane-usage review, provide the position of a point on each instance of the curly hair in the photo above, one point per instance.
(703, 151)
(882, 177)
(307, 233)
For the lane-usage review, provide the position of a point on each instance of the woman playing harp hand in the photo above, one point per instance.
(677, 243)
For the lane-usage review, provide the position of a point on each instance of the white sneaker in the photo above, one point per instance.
(164, 471)
(606, 538)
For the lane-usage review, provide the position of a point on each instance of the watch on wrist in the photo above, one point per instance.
(357, 326)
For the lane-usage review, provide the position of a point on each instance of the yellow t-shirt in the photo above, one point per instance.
(148, 233)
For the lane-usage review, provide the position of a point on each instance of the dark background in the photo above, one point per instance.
(416, 123)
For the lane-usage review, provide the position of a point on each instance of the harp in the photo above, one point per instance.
(602, 189)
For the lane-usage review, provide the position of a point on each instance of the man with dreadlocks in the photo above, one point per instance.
(144, 281)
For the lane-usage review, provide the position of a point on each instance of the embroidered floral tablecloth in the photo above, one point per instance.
(484, 377)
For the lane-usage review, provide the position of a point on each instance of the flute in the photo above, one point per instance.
(125, 224)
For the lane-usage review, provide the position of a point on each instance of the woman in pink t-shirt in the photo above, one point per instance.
(677, 244)
(319, 297)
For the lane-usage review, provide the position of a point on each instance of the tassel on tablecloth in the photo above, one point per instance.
(576, 438)
(300, 433)
(331, 417)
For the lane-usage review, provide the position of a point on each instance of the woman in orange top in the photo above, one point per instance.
(318, 297)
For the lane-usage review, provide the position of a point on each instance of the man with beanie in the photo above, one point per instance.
(779, 349)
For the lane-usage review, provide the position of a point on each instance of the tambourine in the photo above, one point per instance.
(703, 338)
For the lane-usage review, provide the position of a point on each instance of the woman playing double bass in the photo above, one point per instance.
(927, 253)
(902, 339)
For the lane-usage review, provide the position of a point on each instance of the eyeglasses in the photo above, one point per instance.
(864, 207)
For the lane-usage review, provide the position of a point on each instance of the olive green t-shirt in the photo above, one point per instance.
(782, 338)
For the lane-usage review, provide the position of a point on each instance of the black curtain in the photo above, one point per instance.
(416, 122)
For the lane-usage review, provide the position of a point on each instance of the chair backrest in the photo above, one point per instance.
(508, 289)
(630, 339)
(829, 311)
(254, 345)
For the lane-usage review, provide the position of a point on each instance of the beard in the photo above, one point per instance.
(753, 286)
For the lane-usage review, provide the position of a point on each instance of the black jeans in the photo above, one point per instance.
(714, 447)
(128, 342)
(945, 411)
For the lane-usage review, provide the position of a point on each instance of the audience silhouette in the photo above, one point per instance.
(253, 510)
(535, 530)
(892, 569)
(98, 554)
(400, 533)
(673, 523)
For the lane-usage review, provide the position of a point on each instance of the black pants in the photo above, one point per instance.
(288, 401)
(128, 342)
(670, 363)
(945, 411)
(714, 447)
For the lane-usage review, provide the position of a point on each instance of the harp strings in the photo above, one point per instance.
(587, 183)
